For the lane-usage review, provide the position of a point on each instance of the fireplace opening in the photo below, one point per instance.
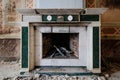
(60, 45)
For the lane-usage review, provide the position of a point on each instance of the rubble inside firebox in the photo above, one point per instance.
(60, 52)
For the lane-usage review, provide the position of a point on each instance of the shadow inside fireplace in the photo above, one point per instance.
(60, 45)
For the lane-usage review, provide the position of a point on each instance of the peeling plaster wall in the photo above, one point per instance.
(9, 48)
(1, 13)
(111, 48)
(111, 33)
(10, 27)
(111, 15)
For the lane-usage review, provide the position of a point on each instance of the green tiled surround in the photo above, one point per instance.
(24, 47)
(75, 17)
(89, 17)
(44, 17)
(95, 47)
(54, 17)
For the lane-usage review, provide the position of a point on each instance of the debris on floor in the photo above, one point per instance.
(9, 70)
(60, 77)
(115, 76)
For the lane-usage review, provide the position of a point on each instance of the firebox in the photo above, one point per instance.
(60, 45)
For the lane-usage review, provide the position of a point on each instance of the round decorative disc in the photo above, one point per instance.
(49, 17)
(70, 17)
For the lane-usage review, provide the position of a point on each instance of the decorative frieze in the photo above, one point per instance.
(60, 18)
(95, 3)
(9, 17)
(30, 3)
(13, 16)
(110, 31)
(91, 3)
(10, 29)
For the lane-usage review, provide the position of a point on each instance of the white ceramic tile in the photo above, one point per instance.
(45, 29)
(60, 29)
(32, 18)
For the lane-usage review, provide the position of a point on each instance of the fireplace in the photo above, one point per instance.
(61, 37)
(60, 45)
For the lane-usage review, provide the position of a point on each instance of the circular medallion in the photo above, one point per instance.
(70, 17)
(49, 17)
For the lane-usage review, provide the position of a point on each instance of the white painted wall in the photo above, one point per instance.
(57, 4)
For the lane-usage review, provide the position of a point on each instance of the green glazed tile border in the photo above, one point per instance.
(24, 47)
(44, 17)
(89, 17)
(75, 17)
(54, 17)
(95, 47)
(22, 73)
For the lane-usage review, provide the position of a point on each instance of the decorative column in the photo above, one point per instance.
(31, 47)
(93, 44)
(27, 47)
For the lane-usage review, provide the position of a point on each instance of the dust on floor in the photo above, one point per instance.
(9, 69)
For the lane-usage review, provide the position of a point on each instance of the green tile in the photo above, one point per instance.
(95, 47)
(54, 17)
(22, 73)
(89, 17)
(24, 47)
(75, 17)
(44, 17)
